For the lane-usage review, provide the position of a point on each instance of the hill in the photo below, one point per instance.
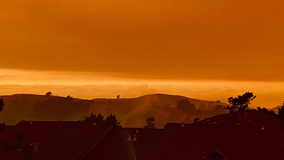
(131, 112)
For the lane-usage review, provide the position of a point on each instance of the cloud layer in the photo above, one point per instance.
(197, 39)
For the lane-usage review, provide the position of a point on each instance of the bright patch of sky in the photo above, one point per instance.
(102, 85)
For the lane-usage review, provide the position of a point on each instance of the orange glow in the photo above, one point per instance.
(231, 46)
(91, 85)
(235, 40)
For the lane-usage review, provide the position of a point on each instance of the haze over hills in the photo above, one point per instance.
(131, 112)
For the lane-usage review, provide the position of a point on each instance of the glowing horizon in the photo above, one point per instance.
(84, 84)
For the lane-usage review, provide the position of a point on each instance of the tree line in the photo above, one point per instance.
(241, 104)
(94, 118)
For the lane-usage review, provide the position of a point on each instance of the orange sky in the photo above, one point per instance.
(236, 40)
(196, 39)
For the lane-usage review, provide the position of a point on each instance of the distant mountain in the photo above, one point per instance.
(131, 112)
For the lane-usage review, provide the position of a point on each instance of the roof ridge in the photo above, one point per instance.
(107, 129)
(266, 117)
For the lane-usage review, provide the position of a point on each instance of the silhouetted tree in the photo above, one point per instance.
(27, 152)
(93, 118)
(69, 97)
(1, 104)
(281, 111)
(118, 97)
(266, 111)
(2, 125)
(112, 120)
(191, 109)
(48, 94)
(150, 123)
(183, 105)
(240, 103)
(100, 118)
(16, 143)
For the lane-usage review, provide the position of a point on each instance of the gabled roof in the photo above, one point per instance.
(220, 119)
(193, 142)
(117, 144)
(266, 116)
(59, 140)
(235, 142)
(248, 118)
(215, 154)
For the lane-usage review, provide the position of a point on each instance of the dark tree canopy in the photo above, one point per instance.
(266, 111)
(240, 103)
(93, 118)
(281, 112)
(112, 120)
(2, 125)
(183, 105)
(150, 123)
(16, 143)
(1, 104)
(48, 94)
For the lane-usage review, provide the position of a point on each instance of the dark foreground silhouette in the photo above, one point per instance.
(244, 135)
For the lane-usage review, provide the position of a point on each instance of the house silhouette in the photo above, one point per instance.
(258, 136)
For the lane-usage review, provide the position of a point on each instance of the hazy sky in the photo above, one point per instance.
(188, 40)
(90, 85)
